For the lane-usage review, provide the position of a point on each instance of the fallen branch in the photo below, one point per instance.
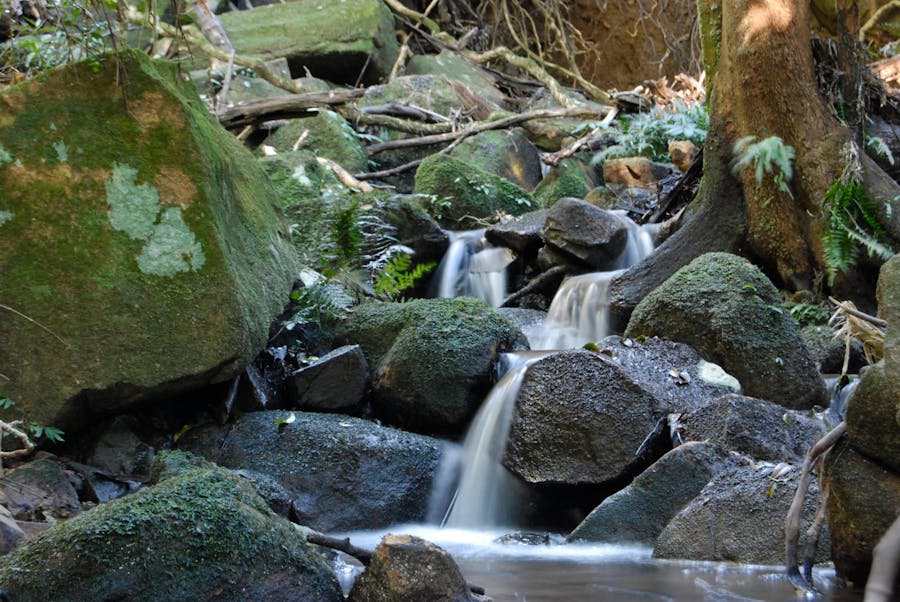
(344, 176)
(360, 117)
(554, 158)
(792, 520)
(282, 107)
(483, 126)
(885, 563)
(876, 17)
(848, 322)
(341, 545)
(536, 283)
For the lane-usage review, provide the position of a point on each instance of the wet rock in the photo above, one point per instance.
(864, 501)
(754, 427)
(336, 381)
(11, 534)
(828, 352)
(346, 42)
(521, 233)
(728, 310)
(341, 473)
(174, 245)
(522, 538)
(40, 489)
(578, 419)
(200, 535)
(570, 178)
(634, 171)
(872, 424)
(431, 358)
(415, 229)
(639, 513)
(120, 451)
(592, 235)
(326, 134)
(464, 193)
(505, 153)
(405, 568)
(526, 320)
(739, 517)
(673, 373)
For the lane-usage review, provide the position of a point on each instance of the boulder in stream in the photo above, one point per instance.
(336, 381)
(638, 513)
(727, 309)
(341, 473)
(432, 358)
(593, 236)
(405, 568)
(161, 262)
(203, 534)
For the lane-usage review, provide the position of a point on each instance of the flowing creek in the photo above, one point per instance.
(474, 499)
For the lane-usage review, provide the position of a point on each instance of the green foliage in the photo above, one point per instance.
(75, 31)
(880, 147)
(320, 303)
(36, 431)
(767, 156)
(807, 313)
(851, 224)
(399, 275)
(648, 134)
(345, 235)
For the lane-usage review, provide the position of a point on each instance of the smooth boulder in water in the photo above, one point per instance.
(139, 237)
(726, 308)
(340, 473)
(201, 534)
(432, 358)
(588, 234)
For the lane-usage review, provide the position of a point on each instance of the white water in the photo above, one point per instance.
(470, 268)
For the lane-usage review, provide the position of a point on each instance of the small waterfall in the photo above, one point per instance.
(483, 482)
(470, 268)
(579, 312)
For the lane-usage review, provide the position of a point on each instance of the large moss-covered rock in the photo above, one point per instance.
(729, 311)
(201, 535)
(464, 194)
(327, 135)
(135, 230)
(343, 41)
(338, 473)
(453, 66)
(505, 153)
(432, 358)
(872, 417)
(569, 178)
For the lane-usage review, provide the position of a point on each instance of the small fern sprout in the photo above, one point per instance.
(880, 147)
(767, 156)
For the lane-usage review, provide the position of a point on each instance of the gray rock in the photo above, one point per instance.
(120, 451)
(336, 381)
(739, 517)
(578, 419)
(639, 513)
(505, 153)
(11, 534)
(754, 427)
(415, 229)
(520, 233)
(828, 352)
(40, 489)
(200, 535)
(888, 294)
(432, 358)
(592, 235)
(448, 64)
(728, 310)
(341, 473)
(405, 568)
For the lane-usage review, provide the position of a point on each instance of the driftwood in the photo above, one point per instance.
(537, 283)
(792, 521)
(344, 176)
(360, 116)
(281, 107)
(483, 126)
(341, 545)
(582, 143)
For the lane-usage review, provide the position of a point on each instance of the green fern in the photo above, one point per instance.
(767, 156)
(398, 275)
(851, 225)
(880, 147)
(648, 134)
(320, 303)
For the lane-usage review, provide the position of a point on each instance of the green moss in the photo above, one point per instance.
(327, 134)
(198, 535)
(566, 179)
(710, 15)
(464, 194)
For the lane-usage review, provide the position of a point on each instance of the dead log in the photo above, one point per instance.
(283, 107)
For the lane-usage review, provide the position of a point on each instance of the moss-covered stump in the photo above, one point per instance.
(464, 196)
(327, 135)
(136, 231)
(201, 535)
(864, 501)
(345, 42)
(729, 311)
(432, 358)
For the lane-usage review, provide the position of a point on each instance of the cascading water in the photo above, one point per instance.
(470, 268)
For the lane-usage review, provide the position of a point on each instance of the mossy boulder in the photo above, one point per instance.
(339, 473)
(432, 358)
(872, 417)
(463, 194)
(327, 135)
(344, 42)
(505, 153)
(570, 178)
(453, 66)
(137, 235)
(201, 535)
(727, 309)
